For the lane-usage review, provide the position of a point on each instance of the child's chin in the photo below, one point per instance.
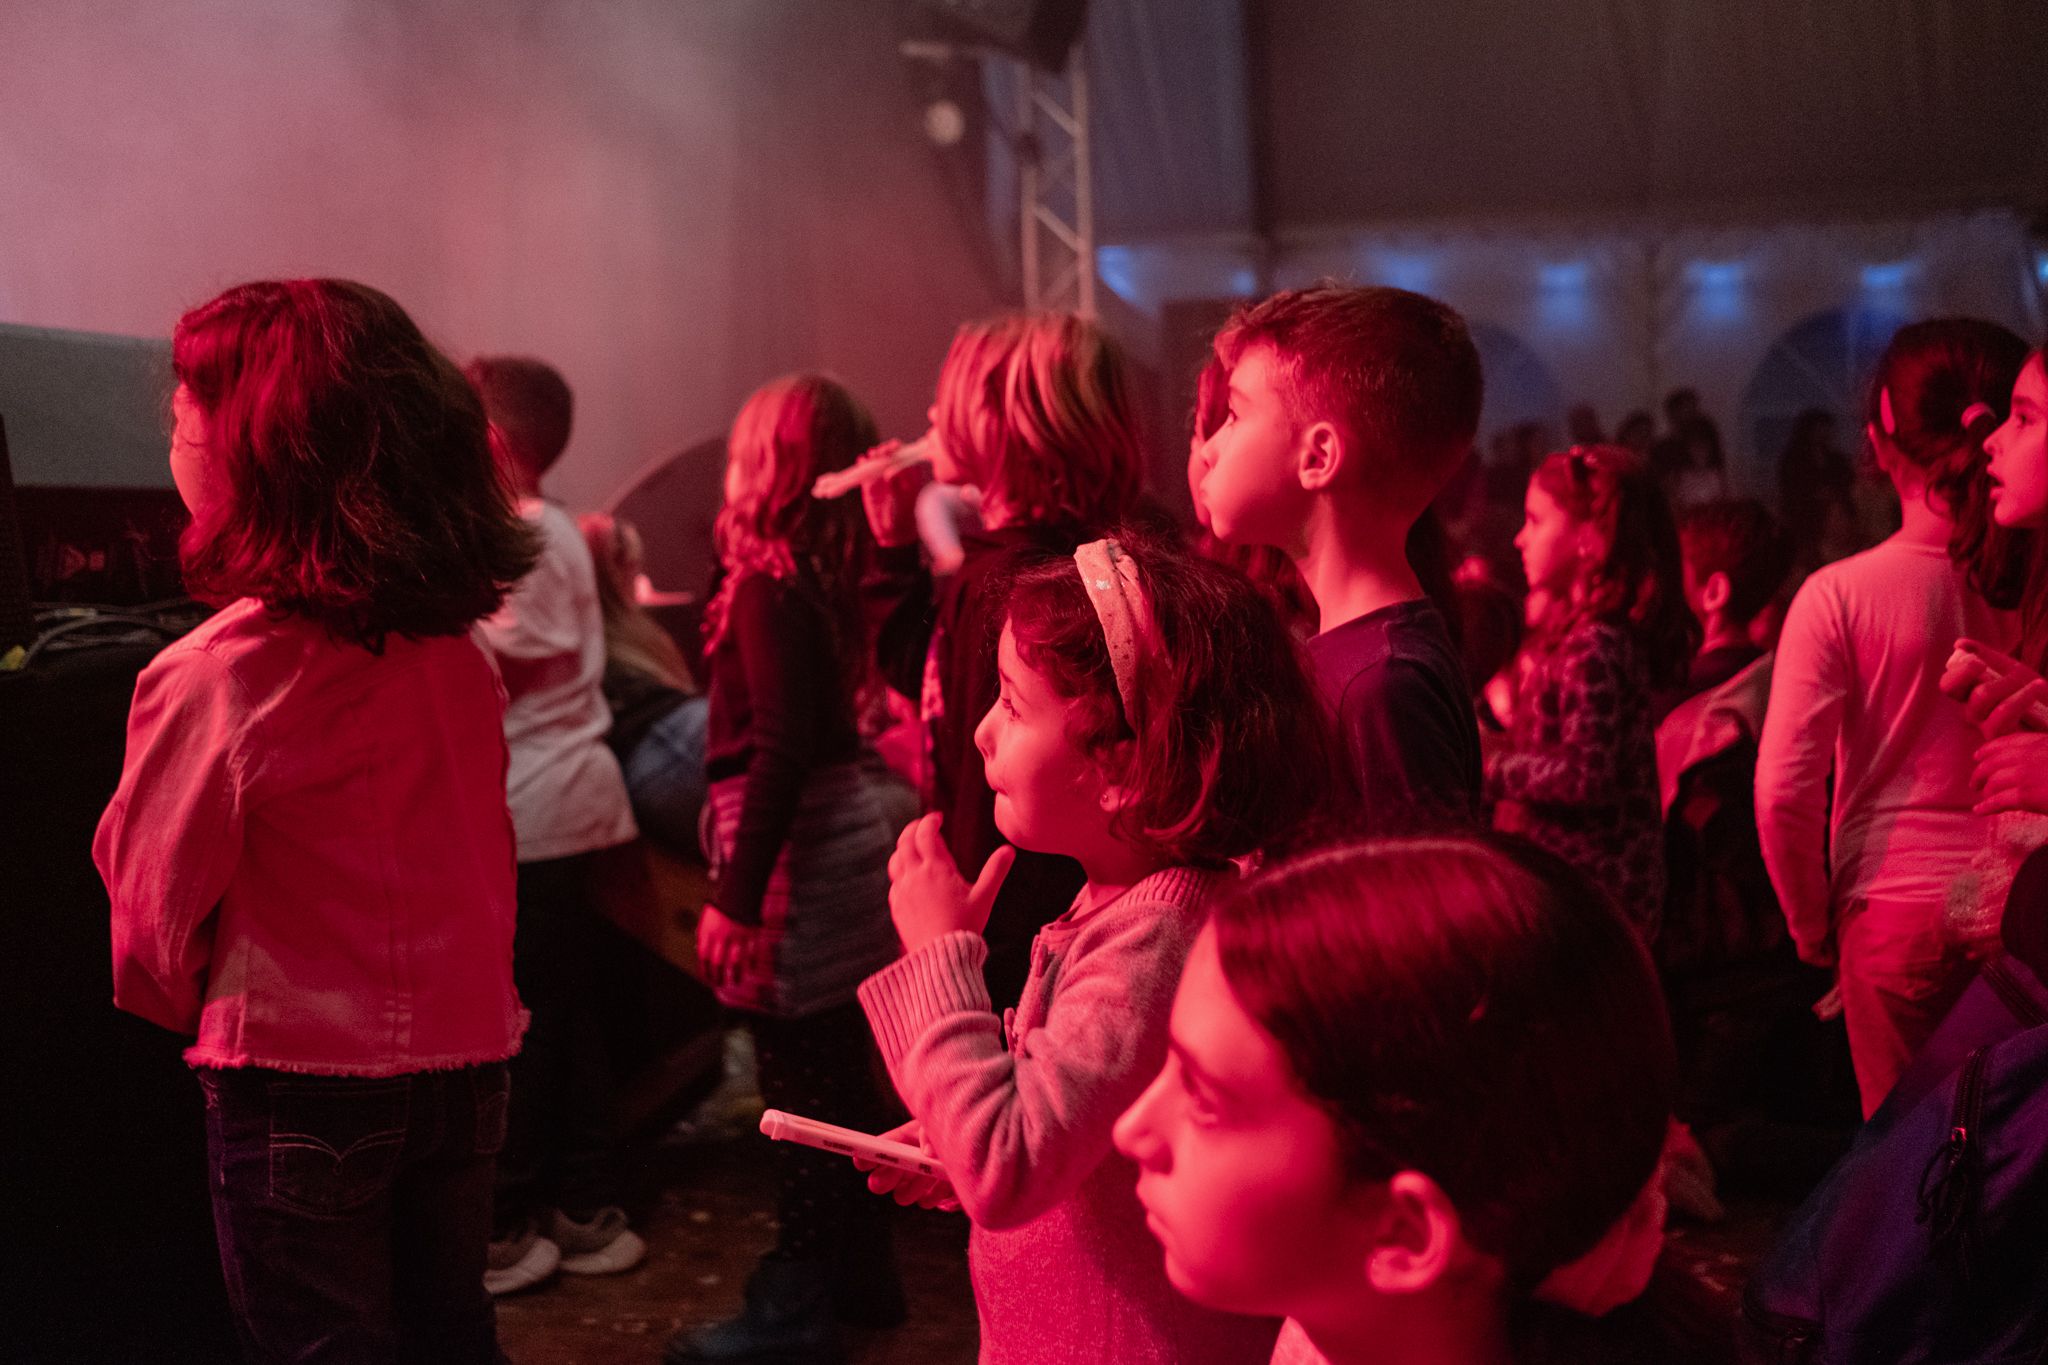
(1007, 826)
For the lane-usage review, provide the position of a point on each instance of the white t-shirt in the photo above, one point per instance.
(1855, 694)
(564, 786)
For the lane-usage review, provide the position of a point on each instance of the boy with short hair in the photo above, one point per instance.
(1736, 559)
(557, 1198)
(1350, 410)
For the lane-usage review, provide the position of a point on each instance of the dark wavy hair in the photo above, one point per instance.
(1230, 753)
(1473, 1008)
(362, 491)
(1632, 574)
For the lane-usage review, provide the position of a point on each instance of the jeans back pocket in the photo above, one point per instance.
(335, 1140)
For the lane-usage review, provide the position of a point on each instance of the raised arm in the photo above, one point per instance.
(1020, 1128)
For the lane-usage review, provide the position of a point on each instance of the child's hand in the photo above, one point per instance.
(730, 952)
(891, 503)
(1999, 694)
(928, 898)
(926, 1191)
(2012, 774)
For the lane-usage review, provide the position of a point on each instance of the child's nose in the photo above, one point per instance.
(985, 734)
(1133, 1133)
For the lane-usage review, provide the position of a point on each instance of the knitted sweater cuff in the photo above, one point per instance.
(908, 996)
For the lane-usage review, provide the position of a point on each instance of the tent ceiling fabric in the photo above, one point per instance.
(1499, 108)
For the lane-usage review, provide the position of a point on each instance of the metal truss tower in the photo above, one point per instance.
(1055, 187)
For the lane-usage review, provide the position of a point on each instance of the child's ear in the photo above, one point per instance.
(1113, 791)
(1417, 1241)
(1321, 456)
(1714, 593)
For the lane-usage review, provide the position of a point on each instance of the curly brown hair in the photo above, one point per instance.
(788, 432)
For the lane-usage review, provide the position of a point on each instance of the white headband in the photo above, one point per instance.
(1121, 605)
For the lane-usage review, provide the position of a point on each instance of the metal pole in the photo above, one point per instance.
(1028, 158)
(1084, 183)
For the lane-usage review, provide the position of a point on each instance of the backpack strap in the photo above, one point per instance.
(1954, 1176)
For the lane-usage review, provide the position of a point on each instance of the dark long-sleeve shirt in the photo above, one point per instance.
(780, 709)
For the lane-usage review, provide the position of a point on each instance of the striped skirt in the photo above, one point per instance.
(827, 905)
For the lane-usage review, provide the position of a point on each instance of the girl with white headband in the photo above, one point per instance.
(1155, 722)
(1863, 799)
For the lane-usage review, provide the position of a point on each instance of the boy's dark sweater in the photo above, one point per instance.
(1405, 725)
(965, 614)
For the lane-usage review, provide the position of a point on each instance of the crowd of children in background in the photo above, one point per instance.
(1315, 946)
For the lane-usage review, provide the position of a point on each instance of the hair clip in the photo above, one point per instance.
(1975, 411)
(1884, 412)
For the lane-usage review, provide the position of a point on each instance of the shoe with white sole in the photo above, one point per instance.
(520, 1262)
(602, 1246)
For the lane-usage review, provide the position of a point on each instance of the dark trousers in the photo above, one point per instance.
(821, 1067)
(558, 1142)
(354, 1213)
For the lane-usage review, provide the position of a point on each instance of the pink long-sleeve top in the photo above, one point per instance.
(1020, 1112)
(309, 855)
(1855, 698)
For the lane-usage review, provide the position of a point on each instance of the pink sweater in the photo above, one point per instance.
(1020, 1112)
(308, 855)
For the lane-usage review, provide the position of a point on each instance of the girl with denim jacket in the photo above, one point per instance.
(308, 855)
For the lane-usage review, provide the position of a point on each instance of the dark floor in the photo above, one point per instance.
(704, 1208)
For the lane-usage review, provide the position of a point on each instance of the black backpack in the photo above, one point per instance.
(1928, 1243)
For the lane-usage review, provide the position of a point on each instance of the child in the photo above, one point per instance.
(658, 713)
(1581, 769)
(800, 850)
(308, 856)
(1734, 562)
(1154, 722)
(2017, 451)
(1265, 565)
(1349, 410)
(1400, 1129)
(1036, 413)
(1863, 799)
(558, 1202)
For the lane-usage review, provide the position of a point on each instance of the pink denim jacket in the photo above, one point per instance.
(309, 855)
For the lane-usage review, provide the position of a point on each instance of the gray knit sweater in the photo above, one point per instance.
(1020, 1110)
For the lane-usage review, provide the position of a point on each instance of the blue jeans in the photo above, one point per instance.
(665, 777)
(354, 1213)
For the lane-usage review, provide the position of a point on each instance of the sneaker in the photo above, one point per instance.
(520, 1262)
(602, 1246)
